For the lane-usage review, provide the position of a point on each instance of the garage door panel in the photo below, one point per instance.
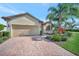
(25, 30)
(19, 32)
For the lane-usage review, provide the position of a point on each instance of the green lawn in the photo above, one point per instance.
(72, 44)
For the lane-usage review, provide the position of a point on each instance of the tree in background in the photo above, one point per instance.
(1, 28)
(63, 12)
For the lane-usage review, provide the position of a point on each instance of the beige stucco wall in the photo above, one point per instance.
(45, 26)
(24, 20)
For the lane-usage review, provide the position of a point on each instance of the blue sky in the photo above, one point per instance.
(39, 10)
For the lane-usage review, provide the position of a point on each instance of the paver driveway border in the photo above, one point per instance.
(25, 46)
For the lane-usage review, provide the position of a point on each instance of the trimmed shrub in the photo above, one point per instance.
(1, 39)
(64, 38)
(56, 37)
(5, 36)
(60, 37)
(68, 34)
(6, 33)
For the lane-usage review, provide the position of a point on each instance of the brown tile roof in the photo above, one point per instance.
(18, 15)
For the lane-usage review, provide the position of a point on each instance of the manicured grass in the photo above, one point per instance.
(72, 44)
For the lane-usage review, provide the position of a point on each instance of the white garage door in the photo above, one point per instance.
(21, 30)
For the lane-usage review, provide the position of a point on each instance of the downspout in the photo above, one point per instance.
(9, 28)
(41, 32)
(59, 26)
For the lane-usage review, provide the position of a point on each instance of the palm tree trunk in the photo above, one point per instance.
(59, 26)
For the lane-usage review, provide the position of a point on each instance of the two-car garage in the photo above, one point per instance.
(23, 30)
(23, 24)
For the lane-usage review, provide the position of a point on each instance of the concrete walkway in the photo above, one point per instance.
(25, 46)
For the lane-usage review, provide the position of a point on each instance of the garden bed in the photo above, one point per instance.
(4, 36)
(72, 44)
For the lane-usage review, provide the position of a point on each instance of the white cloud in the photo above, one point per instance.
(14, 9)
(7, 10)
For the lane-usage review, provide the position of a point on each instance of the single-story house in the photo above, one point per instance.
(23, 24)
(26, 24)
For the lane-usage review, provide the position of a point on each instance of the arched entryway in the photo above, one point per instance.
(47, 28)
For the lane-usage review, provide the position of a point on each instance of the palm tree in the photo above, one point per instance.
(50, 17)
(56, 14)
(72, 11)
(62, 12)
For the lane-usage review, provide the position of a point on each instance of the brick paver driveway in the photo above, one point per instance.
(25, 46)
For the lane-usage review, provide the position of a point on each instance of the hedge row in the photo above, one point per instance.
(4, 36)
(73, 30)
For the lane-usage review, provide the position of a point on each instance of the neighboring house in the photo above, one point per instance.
(47, 28)
(23, 24)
